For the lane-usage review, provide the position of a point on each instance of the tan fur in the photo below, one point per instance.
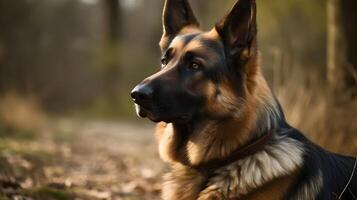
(177, 43)
(198, 47)
(165, 39)
(189, 29)
(208, 56)
(182, 183)
(274, 190)
(212, 34)
(215, 140)
(168, 142)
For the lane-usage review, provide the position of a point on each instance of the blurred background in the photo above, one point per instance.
(68, 129)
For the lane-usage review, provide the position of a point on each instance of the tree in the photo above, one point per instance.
(113, 18)
(341, 69)
(112, 44)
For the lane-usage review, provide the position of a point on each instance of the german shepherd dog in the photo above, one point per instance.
(220, 128)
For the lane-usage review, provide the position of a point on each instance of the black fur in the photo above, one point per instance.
(336, 170)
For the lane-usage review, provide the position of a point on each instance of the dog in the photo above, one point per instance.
(219, 126)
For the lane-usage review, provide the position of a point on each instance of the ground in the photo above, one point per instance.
(73, 159)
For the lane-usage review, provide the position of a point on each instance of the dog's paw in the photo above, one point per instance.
(211, 193)
(210, 197)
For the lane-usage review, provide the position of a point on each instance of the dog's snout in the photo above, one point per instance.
(142, 94)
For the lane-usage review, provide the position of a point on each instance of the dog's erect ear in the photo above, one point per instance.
(177, 14)
(238, 29)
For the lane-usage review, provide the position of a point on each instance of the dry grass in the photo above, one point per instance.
(21, 113)
(306, 105)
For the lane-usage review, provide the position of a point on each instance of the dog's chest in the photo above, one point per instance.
(225, 186)
(251, 177)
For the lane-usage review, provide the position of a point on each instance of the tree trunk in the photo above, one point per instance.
(113, 17)
(341, 73)
(112, 45)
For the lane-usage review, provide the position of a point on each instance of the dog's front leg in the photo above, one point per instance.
(222, 186)
(182, 183)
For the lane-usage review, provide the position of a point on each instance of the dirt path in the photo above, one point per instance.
(83, 160)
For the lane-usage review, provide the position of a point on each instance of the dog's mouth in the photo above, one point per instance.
(142, 112)
(158, 116)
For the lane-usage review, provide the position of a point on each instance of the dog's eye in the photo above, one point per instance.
(164, 62)
(194, 66)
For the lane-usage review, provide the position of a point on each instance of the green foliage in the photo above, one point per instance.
(47, 193)
(7, 132)
(4, 198)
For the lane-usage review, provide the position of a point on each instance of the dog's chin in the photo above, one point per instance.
(157, 117)
(140, 112)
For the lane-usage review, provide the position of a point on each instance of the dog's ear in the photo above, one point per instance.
(238, 30)
(177, 14)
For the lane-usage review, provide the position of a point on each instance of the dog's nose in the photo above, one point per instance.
(142, 94)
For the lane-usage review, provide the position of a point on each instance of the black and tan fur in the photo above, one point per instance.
(210, 99)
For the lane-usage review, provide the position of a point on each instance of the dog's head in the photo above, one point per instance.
(203, 74)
